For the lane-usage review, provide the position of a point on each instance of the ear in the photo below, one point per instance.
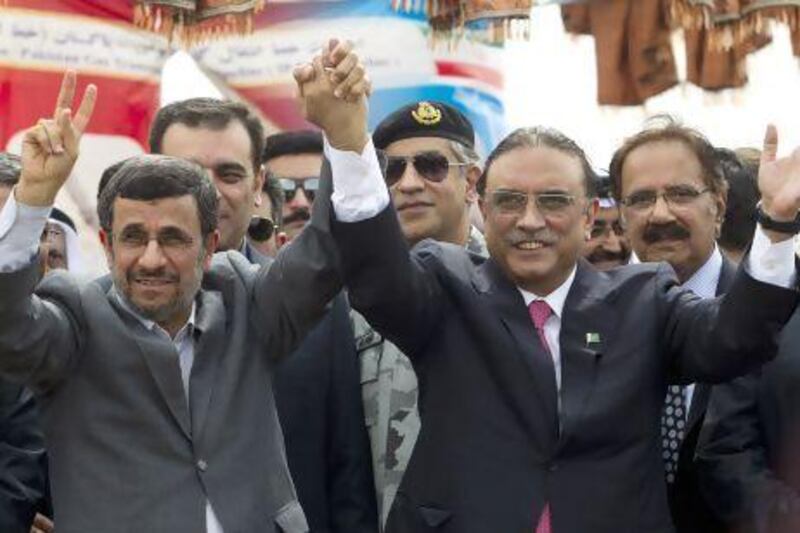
(258, 184)
(105, 240)
(482, 206)
(209, 247)
(473, 174)
(721, 204)
(590, 214)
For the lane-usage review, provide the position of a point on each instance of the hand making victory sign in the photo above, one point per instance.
(50, 148)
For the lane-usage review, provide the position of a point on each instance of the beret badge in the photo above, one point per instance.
(426, 114)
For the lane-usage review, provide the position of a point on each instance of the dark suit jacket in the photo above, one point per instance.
(318, 396)
(126, 451)
(690, 511)
(748, 456)
(22, 459)
(493, 447)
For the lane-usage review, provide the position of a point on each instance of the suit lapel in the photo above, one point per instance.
(161, 359)
(586, 323)
(527, 373)
(209, 348)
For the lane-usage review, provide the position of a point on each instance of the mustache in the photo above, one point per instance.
(517, 237)
(600, 256)
(160, 274)
(658, 232)
(301, 215)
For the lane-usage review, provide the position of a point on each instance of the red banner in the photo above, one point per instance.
(39, 39)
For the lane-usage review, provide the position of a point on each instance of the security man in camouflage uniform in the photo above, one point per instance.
(431, 170)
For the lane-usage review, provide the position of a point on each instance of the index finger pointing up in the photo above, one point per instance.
(65, 94)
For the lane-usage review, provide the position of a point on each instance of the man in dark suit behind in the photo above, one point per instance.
(672, 190)
(546, 418)
(747, 453)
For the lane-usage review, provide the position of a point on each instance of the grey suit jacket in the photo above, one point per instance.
(126, 452)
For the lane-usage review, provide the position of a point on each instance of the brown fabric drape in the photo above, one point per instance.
(634, 51)
(733, 23)
(196, 20)
(450, 16)
(712, 68)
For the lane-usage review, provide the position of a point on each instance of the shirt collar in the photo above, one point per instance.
(704, 282)
(555, 299)
(150, 325)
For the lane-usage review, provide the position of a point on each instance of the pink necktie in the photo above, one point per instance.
(540, 312)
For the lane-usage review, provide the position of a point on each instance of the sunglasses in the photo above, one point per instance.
(433, 166)
(260, 229)
(290, 187)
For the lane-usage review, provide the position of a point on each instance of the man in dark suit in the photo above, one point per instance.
(542, 380)
(317, 388)
(747, 454)
(155, 382)
(22, 459)
(670, 185)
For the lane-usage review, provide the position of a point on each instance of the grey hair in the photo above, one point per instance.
(153, 177)
(540, 137)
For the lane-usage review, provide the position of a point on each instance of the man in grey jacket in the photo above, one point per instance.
(154, 383)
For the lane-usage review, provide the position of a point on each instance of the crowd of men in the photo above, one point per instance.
(308, 331)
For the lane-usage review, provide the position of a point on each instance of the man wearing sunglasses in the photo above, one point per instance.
(265, 233)
(673, 195)
(294, 159)
(430, 167)
(607, 246)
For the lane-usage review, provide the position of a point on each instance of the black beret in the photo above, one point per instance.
(424, 119)
(291, 143)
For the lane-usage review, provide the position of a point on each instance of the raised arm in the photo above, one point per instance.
(293, 293)
(391, 289)
(730, 339)
(38, 338)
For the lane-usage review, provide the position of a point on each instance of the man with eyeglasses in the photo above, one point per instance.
(316, 388)
(607, 245)
(541, 379)
(673, 195)
(430, 167)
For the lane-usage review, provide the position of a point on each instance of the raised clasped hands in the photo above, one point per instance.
(779, 181)
(333, 90)
(50, 148)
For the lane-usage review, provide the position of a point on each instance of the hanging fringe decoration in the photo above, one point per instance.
(492, 21)
(194, 21)
(731, 24)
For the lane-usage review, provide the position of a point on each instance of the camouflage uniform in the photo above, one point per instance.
(389, 392)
